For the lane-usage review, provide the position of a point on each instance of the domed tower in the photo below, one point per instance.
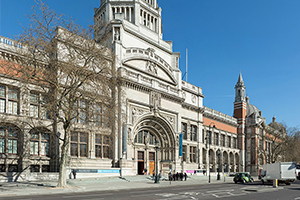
(240, 111)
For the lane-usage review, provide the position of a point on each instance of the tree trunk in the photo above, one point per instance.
(62, 179)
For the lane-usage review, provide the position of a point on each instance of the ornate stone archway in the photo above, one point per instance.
(146, 130)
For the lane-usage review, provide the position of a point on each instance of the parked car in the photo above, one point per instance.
(243, 177)
(298, 172)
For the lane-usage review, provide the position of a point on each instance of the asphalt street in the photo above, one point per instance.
(188, 192)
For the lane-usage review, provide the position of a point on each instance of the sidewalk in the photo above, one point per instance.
(99, 184)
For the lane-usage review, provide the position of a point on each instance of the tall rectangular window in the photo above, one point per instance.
(34, 105)
(13, 101)
(184, 130)
(193, 154)
(184, 152)
(2, 99)
(79, 144)
(98, 146)
(193, 134)
(229, 141)
(217, 139)
(106, 147)
(223, 140)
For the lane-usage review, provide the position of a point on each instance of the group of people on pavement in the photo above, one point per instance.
(177, 176)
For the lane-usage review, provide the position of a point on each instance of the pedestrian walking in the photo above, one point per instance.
(74, 173)
(185, 176)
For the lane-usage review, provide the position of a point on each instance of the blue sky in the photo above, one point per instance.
(260, 38)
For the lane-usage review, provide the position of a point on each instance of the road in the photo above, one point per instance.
(193, 192)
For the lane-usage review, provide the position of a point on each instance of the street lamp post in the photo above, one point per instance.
(156, 162)
(208, 141)
(219, 164)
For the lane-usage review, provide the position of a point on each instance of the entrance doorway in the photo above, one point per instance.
(151, 163)
(141, 163)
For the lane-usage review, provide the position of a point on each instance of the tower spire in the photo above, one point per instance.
(240, 80)
(240, 89)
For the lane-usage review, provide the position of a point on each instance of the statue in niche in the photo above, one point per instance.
(133, 114)
(155, 102)
(117, 34)
(151, 67)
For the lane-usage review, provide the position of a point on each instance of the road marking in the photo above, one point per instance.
(138, 192)
(218, 191)
(297, 198)
(87, 195)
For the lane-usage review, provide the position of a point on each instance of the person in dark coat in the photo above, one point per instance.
(181, 176)
(177, 176)
(185, 176)
(74, 173)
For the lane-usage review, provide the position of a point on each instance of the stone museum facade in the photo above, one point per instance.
(157, 107)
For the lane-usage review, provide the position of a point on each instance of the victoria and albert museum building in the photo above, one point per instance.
(163, 117)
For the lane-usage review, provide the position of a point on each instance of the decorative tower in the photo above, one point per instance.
(145, 15)
(240, 110)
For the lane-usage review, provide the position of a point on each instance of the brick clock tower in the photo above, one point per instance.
(240, 110)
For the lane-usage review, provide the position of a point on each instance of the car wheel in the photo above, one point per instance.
(244, 181)
(235, 182)
(288, 183)
(251, 181)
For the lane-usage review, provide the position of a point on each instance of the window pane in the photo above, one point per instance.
(2, 91)
(98, 151)
(45, 136)
(43, 148)
(2, 131)
(83, 137)
(83, 150)
(106, 140)
(2, 105)
(12, 93)
(34, 98)
(74, 136)
(34, 110)
(106, 152)
(2, 145)
(12, 132)
(98, 139)
(15, 108)
(74, 149)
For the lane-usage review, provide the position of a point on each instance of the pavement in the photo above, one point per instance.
(108, 183)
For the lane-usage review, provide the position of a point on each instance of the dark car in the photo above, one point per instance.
(243, 177)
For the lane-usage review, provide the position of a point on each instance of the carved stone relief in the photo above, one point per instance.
(136, 112)
(183, 95)
(193, 98)
(155, 101)
(151, 67)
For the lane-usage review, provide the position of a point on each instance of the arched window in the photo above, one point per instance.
(9, 136)
(144, 137)
(39, 142)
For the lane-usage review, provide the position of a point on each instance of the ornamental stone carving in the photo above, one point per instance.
(155, 101)
(193, 98)
(151, 67)
(136, 112)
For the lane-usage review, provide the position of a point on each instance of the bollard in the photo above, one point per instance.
(275, 183)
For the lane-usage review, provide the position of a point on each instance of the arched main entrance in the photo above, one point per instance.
(147, 131)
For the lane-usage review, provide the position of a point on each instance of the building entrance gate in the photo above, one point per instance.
(141, 163)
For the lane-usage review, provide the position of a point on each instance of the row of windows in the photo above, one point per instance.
(193, 132)
(216, 139)
(144, 137)
(79, 145)
(193, 154)
(40, 143)
(9, 103)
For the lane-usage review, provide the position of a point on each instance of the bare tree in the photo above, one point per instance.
(76, 74)
(292, 145)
